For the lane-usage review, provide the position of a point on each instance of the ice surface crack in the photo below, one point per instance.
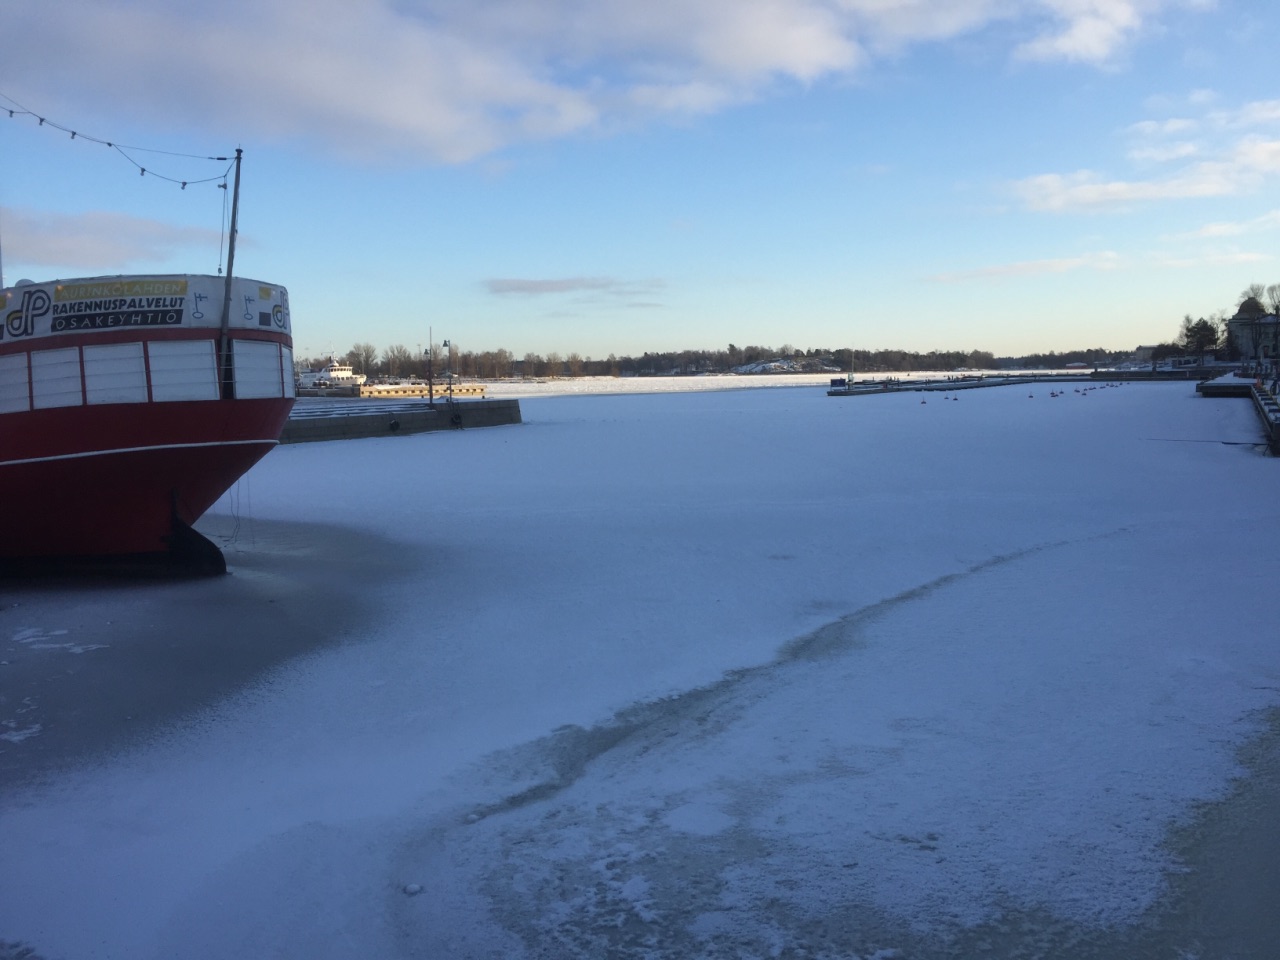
(840, 635)
(698, 712)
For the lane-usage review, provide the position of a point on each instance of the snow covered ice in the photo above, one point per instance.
(740, 673)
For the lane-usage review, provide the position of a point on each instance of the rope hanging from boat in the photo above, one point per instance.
(16, 110)
(226, 208)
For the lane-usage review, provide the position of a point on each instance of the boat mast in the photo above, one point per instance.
(224, 339)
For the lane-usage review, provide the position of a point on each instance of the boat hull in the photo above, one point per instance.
(122, 480)
(128, 405)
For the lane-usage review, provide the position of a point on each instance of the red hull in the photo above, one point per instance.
(113, 439)
(110, 480)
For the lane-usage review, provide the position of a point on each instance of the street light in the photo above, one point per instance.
(431, 391)
(448, 367)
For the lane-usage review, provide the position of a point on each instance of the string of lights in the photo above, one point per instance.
(16, 110)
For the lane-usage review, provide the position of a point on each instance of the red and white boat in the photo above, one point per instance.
(129, 405)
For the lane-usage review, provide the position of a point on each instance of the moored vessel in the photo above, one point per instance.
(129, 405)
(335, 373)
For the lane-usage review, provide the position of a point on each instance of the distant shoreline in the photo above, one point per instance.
(706, 383)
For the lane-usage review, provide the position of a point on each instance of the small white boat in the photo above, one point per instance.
(332, 374)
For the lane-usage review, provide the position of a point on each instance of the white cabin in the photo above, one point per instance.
(334, 374)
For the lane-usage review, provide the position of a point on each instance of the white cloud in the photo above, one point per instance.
(1087, 30)
(1233, 161)
(1160, 141)
(1085, 190)
(591, 287)
(1224, 228)
(1155, 141)
(1212, 259)
(1255, 114)
(1105, 260)
(453, 81)
(698, 97)
(887, 25)
(1163, 128)
(97, 240)
(506, 286)
(1257, 154)
(1164, 153)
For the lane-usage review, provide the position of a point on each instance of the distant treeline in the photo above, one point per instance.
(399, 361)
(1056, 361)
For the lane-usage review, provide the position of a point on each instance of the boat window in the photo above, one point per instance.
(115, 373)
(286, 371)
(257, 369)
(183, 370)
(15, 389)
(55, 378)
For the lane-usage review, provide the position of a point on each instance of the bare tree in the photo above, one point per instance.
(397, 357)
(311, 363)
(1273, 297)
(503, 362)
(1256, 290)
(363, 356)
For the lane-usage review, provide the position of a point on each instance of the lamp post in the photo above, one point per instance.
(448, 366)
(431, 394)
(1255, 334)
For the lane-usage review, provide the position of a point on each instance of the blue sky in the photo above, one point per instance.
(628, 175)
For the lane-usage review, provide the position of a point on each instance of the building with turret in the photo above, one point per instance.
(1254, 331)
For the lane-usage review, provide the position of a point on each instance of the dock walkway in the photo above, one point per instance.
(1264, 396)
(842, 387)
(344, 419)
(860, 388)
(1260, 392)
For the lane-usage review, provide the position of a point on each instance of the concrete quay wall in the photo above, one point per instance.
(348, 423)
(1264, 402)
(1269, 412)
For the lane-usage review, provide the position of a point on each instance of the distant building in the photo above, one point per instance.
(1255, 332)
(1143, 354)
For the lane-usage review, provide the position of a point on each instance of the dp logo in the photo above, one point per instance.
(22, 322)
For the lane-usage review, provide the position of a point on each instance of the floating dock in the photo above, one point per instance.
(1264, 399)
(315, 419)
(1264, 402)
(841, 387)
(844, 387)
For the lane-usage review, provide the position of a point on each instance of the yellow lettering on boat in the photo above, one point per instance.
(120, 288)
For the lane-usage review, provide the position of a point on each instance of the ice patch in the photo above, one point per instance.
(18, 730)
(14, 735)
(700, 817)
(36, 638)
